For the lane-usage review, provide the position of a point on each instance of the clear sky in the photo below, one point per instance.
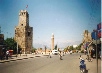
(67, 19)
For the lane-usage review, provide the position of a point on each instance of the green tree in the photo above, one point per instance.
(79, 46)
(71, 48)
(11, 44)
(65, 49)
(33, 50)
(56, 47)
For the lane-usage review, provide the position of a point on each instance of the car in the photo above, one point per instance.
(55, 52)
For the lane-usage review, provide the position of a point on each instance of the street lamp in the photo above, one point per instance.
(96, 49)
(17, 48)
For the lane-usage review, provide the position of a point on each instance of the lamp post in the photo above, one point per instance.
(17, 48)
(96, 49)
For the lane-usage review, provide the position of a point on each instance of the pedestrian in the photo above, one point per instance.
(63, 53)
(100, 54)
(80, 57)
(1, 56)
(7, 54)
(60, 55)
(20, 52)
(90, 58)
(82, 65)
(85, 51)
(49, 56)
(71, 52)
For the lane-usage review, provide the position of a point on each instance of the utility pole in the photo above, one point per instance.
(17, 48)
(96, 49)
(96, 52)
(0, 29)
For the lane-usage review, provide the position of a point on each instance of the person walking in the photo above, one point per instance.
(1, 56)
(60, 55)
(49, 56)
(7, 54)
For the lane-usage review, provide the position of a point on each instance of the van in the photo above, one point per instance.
(55, 52)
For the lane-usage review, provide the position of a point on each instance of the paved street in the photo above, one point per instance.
(42, 64)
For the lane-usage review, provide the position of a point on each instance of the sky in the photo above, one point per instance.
(66, 19)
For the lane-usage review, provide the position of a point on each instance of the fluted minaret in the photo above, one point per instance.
(52, 42)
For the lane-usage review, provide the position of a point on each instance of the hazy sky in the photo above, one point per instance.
(67, 19)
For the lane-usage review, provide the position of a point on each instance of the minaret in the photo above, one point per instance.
(52, 42)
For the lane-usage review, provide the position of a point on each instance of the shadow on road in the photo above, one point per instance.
(86, 71)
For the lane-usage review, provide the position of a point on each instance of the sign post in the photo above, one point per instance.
(96, 49)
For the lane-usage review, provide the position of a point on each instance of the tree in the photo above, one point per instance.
(10, 44)
(79, 46)
(33, 50)
(66, 49)
(56, 47)
(71, 48)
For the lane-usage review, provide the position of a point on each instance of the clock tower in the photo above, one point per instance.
(23, 32)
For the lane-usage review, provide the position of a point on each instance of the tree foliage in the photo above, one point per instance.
(79, 46)
(71, 48)
(56, 47)
(66, 49)
(10, 44)
(33, 50)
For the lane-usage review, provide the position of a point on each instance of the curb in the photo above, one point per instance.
(25, 58)
(37, 56)
(7, 61)
(19, 59)
(31, 57)
(2, 62)
(13, 60)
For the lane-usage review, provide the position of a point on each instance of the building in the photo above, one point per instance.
(52, 42)
(1, 43)
(1, 39)
(23, 32)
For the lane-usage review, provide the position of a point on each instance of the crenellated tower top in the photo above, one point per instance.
(23, 18)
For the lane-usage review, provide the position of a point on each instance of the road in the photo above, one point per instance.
(69, 64)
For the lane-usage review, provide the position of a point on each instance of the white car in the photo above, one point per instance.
(55, 52)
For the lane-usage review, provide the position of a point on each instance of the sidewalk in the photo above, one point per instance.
(92, 66)
(23, 56)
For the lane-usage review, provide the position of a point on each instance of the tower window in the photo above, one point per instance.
(29, 33)
(22, 24)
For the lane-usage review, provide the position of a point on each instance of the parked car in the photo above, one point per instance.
(55, 52)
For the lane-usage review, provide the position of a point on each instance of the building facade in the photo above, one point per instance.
(1, 43)
(23, 32)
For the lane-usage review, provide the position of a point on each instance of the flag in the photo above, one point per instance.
(93, 35)
(99, 34)
(99, 26)
(27, 6)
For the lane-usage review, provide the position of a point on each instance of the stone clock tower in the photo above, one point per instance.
(23, 32)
